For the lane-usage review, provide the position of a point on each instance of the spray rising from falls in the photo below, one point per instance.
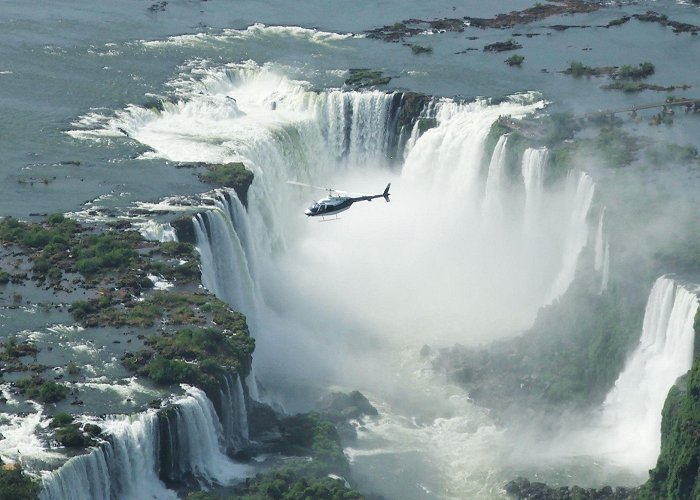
(429, 267)
(183, 442)
(631, 419)
(281, 130)
(580, 189)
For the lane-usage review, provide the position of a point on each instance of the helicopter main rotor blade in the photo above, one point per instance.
(296, 183)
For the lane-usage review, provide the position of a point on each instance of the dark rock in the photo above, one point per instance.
(502, 46)
(184, 228)
(262, 420)
(340, 407)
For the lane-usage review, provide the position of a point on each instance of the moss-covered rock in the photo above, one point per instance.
(233, 175)
(363, 77)
(46, 391)
(16, 485)
(677, 472)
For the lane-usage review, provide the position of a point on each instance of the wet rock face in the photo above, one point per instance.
(340, 406)
(522, 489)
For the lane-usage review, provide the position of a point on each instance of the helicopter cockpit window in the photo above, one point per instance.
(314, 208)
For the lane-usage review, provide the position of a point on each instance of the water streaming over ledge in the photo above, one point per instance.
(185, 442)
(631, 417)
(282, 131)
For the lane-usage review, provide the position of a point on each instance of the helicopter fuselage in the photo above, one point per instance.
(329, 206)
(336, 204)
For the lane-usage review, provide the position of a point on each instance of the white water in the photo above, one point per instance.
(631, 418)
(580, 189)
(235, 417)
(20, 442)
(534, 162)
(225, 270)
(200, 442)
(155, 231)
(340, 299)
(602, 254)
(495, 182)
(124, 467)
(127, 466)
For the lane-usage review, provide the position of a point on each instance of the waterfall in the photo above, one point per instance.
(251, 383)
(534, 161)
(632, 410)
(495, 181)
(580, 189)
(605, 275)
(192, 443)
(234, 415)
(601, 261)
(126, 466)
(181, 442)
(155, 231)
(599, 244)
(225, 270)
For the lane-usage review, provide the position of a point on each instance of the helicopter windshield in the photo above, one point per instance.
(314, 208)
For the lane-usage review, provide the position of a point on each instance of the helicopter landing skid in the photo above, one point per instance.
(323, 219)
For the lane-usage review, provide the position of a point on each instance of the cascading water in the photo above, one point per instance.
(155, 231)
(495, 182)
(580, 187)
(143, 449)
(534, 161)
(225, 270)
(631, 416)
(462, 279)
(193, 443)
(234, 418)
(126, 466)
(602, 254)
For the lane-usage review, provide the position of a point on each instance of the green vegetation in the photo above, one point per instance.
(502, 46)
(286, 484)
(571, 356)
(176, 308)
(72, 368)
(103, 252)
(419, 49)
(13, 349)
(363, 77)
(615, 146)
(515, 60)
(643, 70)
(194, 355)
(46, 391)
(425, 124)
(672, 154)
(71, 436)
(676, 473)
(16, 485)
(233, 175)
(4, 277)
(578, 69)
(304, 435)
(631, 87)
(60, 245)
(61, 419)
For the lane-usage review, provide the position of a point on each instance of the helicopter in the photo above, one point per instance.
(335, 203)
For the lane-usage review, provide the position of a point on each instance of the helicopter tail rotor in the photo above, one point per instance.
(386, 192)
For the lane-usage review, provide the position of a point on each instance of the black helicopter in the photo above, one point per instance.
(336, 203)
